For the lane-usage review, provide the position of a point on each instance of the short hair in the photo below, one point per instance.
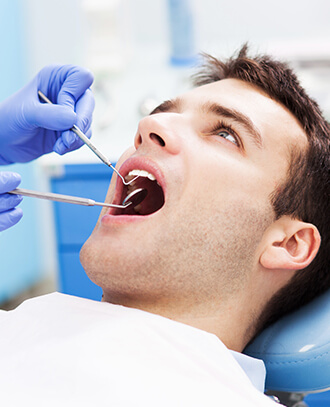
(304, 194)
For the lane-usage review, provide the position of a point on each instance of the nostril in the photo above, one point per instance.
(157, 139)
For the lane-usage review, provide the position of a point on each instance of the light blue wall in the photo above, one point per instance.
(19, 246)
(11, 47)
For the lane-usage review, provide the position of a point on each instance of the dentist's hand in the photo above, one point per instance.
(9, 214)
(30, 128)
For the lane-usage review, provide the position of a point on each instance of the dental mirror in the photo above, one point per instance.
(135, 197)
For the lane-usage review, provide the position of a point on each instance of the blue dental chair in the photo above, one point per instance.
(296, 352)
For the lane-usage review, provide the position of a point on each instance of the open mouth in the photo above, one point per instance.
(154, 199)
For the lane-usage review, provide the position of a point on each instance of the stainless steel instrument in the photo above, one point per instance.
(134, 198)
(89, 144)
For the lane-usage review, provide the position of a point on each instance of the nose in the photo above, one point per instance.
(160, 131)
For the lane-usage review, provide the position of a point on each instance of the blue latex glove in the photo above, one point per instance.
(30, 128)
(9, 214)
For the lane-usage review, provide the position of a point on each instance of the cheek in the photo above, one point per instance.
(226, 200)
(230, 189)
(242, 182)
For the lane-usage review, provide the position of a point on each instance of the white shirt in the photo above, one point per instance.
(59, 350)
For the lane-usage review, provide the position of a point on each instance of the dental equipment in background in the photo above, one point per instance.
(89, 144)
(134, 198)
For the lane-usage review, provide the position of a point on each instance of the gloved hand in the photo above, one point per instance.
(30, 128)
(9, 215)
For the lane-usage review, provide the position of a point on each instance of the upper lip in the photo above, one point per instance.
(138, 163)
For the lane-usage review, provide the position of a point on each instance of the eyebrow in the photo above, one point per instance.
(171, 105)
(175, 105)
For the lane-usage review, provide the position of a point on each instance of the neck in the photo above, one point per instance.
(230, 321)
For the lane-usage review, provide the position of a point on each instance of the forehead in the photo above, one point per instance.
(273, 121)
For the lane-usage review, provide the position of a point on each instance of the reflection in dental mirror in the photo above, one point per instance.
(135, 197)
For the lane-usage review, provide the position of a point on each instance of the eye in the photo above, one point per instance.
(226, 135)
(226, 131)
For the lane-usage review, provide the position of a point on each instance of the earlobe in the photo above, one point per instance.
(290, 244)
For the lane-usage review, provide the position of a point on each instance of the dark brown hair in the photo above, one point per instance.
(305, 194)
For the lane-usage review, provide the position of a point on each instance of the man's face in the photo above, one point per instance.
(217, 152)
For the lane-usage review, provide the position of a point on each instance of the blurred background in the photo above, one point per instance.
(141, 52)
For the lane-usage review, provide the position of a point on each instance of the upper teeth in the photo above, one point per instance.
(140, 173)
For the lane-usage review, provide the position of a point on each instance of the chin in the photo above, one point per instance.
(110, 264)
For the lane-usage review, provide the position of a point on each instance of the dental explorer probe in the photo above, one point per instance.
(89, 144)
(134, 198)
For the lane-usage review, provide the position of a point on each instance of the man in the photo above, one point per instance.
(198, 263)
(233, 231)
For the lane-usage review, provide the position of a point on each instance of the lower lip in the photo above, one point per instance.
(109, 219)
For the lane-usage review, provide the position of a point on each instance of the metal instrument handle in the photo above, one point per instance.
(50, 196)
(54, 197)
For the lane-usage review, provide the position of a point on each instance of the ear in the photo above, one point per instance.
(289, 244)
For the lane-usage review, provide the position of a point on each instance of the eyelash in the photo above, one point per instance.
(221, 125)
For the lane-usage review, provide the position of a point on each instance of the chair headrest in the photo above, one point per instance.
(296, 349)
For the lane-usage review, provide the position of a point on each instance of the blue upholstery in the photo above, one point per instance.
(296, 349)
